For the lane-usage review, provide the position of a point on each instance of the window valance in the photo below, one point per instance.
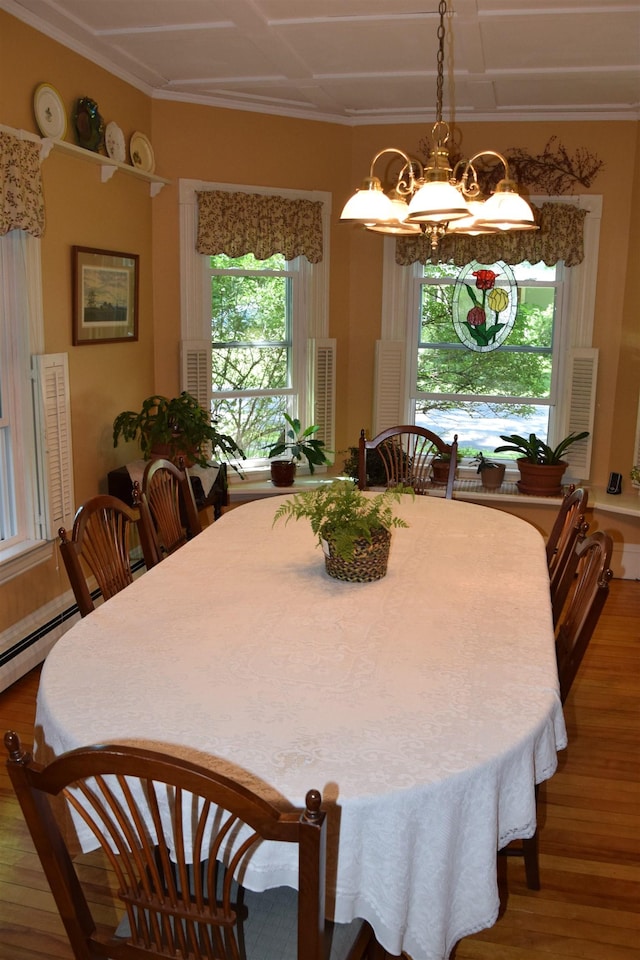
(560, 237)
(21, 195)
(240, 223)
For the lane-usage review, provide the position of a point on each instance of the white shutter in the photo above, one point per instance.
(53, 416)
(388, 396)
(322, 355)
(636, 449)
(583, 372)
(195, 370)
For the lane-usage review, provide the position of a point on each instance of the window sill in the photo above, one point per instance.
(23, 557)
(253, 488)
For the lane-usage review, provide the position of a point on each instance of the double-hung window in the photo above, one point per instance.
(436, 364)
(255, 355)
(461, 381)
(36, 489)
(254, 336)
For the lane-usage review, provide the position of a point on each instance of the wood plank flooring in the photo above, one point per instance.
(589, 814)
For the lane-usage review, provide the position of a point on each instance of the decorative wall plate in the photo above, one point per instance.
(51, 115)
(141, 153)
(114, 142)
(89, 125)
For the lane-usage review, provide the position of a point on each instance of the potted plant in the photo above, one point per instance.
(491, 473)
(353, 527)
(440, 467)
(175, 427)
(541, 466)
(300, 443)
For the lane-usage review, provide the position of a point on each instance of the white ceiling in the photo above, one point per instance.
(363, 61)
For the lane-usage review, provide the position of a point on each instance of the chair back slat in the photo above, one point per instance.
(586, 576)
(167, 491)
(406, 453)
(177, 837)
(569, 528)
(101, 542)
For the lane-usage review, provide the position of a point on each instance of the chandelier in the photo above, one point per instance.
(436, 199)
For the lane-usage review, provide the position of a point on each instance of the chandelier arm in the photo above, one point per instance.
(439, 196)
(487, 153)
(410, 163)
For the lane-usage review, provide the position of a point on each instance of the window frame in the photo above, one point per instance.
(394, 349)
(414, 321)
(21, 337)
(310, 320)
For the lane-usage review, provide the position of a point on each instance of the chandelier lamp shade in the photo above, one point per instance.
(436, 199)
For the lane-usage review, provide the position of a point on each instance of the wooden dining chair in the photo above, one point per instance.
(406, 453)
(155, 817)
(587, 576)
(101, 542)
(585, 585)
(570, 526)
(167, 492)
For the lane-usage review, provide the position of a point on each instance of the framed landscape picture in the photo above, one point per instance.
(105, 296)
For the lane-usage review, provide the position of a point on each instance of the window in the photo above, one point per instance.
(254, 341)
(255, 368)
(18, 487)
(564, 403)
(460, 381)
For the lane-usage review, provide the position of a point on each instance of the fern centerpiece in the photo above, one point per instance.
(353, 528)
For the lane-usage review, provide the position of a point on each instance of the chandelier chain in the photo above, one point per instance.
(442, 10)
(436, 199)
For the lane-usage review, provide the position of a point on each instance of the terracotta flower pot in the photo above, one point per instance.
(283, 473)
(541, 479)
(491, 477)
(440, 470)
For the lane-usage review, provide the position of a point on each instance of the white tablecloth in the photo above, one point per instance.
(424, 706)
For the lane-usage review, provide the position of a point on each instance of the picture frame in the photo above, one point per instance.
(105, 296)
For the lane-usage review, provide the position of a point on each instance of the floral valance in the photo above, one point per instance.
(21, 196)
(240, 223)
(560, 237)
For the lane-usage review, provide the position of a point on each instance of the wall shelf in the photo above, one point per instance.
(108, 167)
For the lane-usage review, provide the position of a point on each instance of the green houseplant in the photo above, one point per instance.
(300, 443)
(541, 466)
(174, 427)
(353, 528)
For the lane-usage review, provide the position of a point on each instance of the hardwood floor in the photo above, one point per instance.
(589, 825)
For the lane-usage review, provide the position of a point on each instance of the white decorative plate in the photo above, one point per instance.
(141, 153)
(51, 115)
(114, 142)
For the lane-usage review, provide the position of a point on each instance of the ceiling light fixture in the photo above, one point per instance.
(436, 199)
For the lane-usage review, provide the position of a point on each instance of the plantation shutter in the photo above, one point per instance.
(53, 422)
(636, 449)
(583, 372)
(195, 370)
(322, 384)
(388, 406)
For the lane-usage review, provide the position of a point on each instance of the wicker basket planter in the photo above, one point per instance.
(369, 561)
(352, 527)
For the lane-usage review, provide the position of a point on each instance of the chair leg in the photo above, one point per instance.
(531, 866)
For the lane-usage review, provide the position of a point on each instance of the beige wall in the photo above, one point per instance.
(206, 143)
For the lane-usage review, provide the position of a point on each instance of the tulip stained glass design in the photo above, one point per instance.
(485, 301)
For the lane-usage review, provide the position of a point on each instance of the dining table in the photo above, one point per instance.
(424, 705)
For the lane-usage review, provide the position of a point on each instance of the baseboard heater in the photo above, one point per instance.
(31, 649)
